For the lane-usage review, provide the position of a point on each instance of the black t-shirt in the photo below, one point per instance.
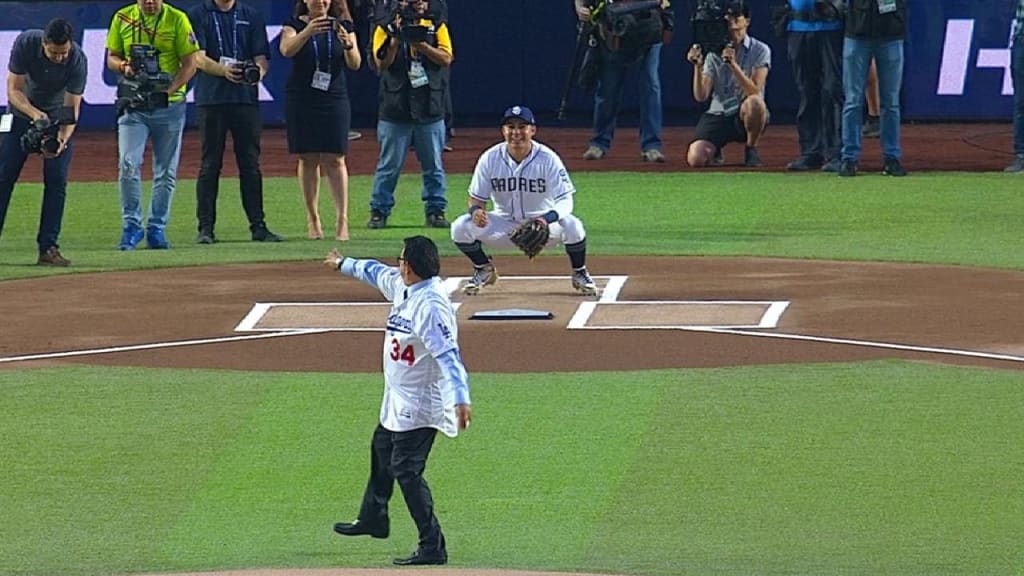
(47, 80)
(240, 33)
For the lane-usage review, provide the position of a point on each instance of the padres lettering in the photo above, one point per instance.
(533, 185)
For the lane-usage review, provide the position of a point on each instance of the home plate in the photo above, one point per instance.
(512, 314)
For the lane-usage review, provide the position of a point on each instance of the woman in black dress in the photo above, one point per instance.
(321, 42)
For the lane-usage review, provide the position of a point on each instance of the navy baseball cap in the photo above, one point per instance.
(521, 112)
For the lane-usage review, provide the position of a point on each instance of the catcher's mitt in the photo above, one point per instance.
(531, 236)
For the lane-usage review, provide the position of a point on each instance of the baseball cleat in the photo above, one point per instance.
(484, 275)
(583, 283)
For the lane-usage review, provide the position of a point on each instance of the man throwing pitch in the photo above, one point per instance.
(532, 196)
(426, 389)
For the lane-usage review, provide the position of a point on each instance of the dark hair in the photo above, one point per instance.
(738, 8)
(338, 9)
(58, 31)
(421, 255)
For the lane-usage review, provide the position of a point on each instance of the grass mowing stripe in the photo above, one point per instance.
(881, 468)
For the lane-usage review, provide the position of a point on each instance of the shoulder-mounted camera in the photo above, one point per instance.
(146, 88)
(632, 25)
(41, 135)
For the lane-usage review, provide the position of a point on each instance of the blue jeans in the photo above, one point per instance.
(55, 182)
(888, 55)
(164, 126)
(394, 142)
(608, 99)
(1017, 71)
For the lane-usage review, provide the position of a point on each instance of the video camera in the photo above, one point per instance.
(146, 89)
(411, 31)
(710, 28)
(41, 135)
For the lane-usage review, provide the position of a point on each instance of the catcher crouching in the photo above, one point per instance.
(532, 202)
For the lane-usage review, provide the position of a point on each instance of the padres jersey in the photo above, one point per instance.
(520, 190)
(420, 327)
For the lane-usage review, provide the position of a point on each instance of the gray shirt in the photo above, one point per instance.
(726, 94)
(47, 81)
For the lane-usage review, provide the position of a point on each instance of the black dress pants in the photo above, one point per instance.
(816, 58)
(244, 123)
(402, 456)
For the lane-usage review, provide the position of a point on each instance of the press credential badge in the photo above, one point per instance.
(5, 123)
(886, 6)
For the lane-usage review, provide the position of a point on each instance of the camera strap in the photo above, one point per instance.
(140, 29)
(214, 15)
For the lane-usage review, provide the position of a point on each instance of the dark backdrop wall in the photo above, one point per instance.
(519, 51)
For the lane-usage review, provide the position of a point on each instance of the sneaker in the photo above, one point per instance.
(872, 128)
(156, 239)
(447, 147)
(52, 257)
(848, 168)
(353, 135)
(594, 153)
(205, 237)
(750, 157)
(718, 158)
(484, 275)
(831, 166)
(377, 220)
(583, 283)
(892, 167)
(1017, 167)
(653, 155)
(260, 233)
(436, 220)
(131, 235)
(804, 164)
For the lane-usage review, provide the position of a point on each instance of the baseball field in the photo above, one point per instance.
(782, 374)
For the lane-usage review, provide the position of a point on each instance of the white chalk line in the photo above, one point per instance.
(156, 345)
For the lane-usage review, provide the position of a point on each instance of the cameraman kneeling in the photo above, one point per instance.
(734, 80)
(47, 71)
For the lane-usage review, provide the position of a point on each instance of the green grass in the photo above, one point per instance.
(876, 468)
(852, 469)
(943, 218)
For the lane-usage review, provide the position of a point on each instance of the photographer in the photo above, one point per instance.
(620, 47)
(152, 45)
(411, 49)
(321, 41)
(46, 72)
(232, 59)
(734, 80)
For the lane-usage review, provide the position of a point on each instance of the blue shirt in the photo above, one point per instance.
(240, 33)
(46, 81)
(807, 6)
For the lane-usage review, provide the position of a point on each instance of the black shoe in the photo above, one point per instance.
(803, 164)
(831, 166)
(357, 528)
(892, 167)
(751, 158)
(377, 220)
(436, 220)
(418, 558)
(872, 127)
(205, 237)
(1017, 167)
(848, 168)
(260, 233)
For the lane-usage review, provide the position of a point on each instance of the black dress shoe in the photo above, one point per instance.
(418, 558)
(357, 528)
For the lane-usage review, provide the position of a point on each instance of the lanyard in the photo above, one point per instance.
(137, 32)
(330, 52)
(234, 32)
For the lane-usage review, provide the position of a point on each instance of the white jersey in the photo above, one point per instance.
(521, 190)
(421, 326)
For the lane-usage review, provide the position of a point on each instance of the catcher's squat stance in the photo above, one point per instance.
(532, 196)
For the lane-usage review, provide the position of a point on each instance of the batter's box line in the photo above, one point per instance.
(259, 311)
(610, 292)
(769, 318)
